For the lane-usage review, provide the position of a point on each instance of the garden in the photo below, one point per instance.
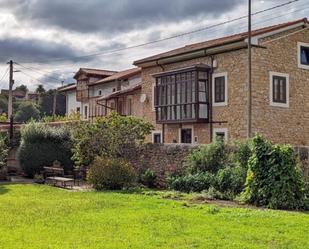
(243, 195)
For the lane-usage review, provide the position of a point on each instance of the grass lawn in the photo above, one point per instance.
(35, 216)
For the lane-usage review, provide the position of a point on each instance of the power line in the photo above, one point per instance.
(167, 38)
(37, 71)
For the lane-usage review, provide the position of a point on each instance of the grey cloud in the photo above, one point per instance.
(35, 50)
(107, 16)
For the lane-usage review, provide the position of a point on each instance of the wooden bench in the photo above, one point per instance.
(65, 182)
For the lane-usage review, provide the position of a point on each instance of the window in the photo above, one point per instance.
(279, 89)
(157, 137)
(220, 133)
(303, 55)
(129, 112)
(182, 95)
(100, 92)
(120, 107)
(186, 135)
(85, 112)
(219, 89)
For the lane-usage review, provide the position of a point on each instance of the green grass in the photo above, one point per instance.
(35, 216)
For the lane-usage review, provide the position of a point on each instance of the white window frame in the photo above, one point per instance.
(299, 45)
(271, 102)
(220, 130)
(156, 132)
(192, 135)
(214, 76)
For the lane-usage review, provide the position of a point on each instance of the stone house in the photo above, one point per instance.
(199, 91)
(87, 96)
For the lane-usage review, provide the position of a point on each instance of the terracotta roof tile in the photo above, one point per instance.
(120, 75)
(218, 42)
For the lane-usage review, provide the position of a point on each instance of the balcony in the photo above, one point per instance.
(182, 96)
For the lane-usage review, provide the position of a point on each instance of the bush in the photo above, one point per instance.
(27, 111)
(148, 178)
(111, 174)
(111, 136)
(3, 151)
(3, 157)
(41, 145)
(208, 158)
(230, 181)
(274, 178)
(192, 183)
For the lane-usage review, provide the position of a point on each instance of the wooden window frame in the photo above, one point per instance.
(214, 76)
(272, 102)
(171, 95)
(186, 127)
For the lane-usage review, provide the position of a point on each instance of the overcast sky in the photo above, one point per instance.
(42, 31)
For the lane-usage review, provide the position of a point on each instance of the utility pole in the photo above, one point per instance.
(55, 102)
(249, 101)
(10, 104)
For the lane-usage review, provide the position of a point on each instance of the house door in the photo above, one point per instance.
(186, 136)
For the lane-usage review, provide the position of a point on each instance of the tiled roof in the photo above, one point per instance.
(93, 71)
(120, 92)
(68, 87)
(120, 75)
(218, 42)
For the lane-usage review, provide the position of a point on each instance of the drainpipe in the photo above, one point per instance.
(210, 99)
(163, 126)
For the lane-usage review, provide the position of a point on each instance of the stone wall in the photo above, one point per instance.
(164, 160)
(170, 159)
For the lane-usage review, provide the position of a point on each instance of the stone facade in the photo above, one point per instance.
(277, 53)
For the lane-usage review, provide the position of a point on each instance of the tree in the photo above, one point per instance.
(22, 88)
(40, 89)
(3, 104)
(114, 136)
(46, 101)
(26, 112)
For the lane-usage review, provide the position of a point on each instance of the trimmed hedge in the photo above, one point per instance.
(41, 145)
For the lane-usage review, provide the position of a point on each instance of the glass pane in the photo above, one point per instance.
(202, 86)
(304, 55)
(178, 112)
(202, 96)
(203, 113)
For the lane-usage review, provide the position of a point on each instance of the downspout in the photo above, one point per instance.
(210, 99)
(163, 126)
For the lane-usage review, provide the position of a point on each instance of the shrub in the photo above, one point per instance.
(111, 173)
(191, 183)
(41, 145)
(208, 158)
(230, 181)
(27, 111)
(111, 136)
(3, 151)
(3, 117)
(148, 178)
(274, 178)
(3, 157)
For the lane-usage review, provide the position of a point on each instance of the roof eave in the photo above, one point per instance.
(237, 44)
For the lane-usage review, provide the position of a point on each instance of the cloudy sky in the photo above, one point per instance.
(51, 38)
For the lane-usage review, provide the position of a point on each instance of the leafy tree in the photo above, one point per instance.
(26, 112)
(112, 136)
(22, 88)
(40, 89)
(3, 104)
(46, 101)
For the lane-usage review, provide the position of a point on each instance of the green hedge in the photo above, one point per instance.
(41, 145)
